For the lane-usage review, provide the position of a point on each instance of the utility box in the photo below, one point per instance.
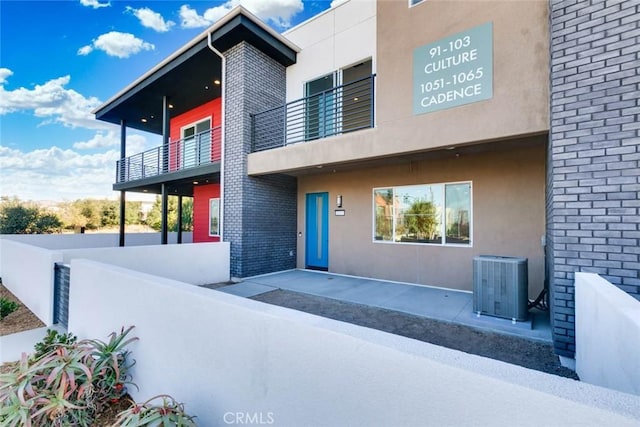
(501, 287)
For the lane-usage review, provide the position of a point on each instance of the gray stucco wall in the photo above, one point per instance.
(594, 152)
(259, 213)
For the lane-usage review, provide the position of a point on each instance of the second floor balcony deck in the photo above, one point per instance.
(335, 111)
(188, 153)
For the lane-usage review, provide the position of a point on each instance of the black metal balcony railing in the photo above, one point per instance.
(339, 110)
(196, 150)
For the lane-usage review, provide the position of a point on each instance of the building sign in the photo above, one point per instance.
(453, 71)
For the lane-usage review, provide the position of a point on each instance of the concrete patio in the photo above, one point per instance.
(425, 301)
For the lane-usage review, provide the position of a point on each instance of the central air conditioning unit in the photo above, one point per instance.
(500, 287)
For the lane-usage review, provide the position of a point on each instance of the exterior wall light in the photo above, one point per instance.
(339, 201)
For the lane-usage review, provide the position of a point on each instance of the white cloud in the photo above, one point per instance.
(95, 3)
(64, 174)
(56, 174)
(99, 140)
(4, 74)
(279, 12)
(150, 19)
(191, 19)
(52, 101)
(85, 50)
(115, 43)
(135, 143)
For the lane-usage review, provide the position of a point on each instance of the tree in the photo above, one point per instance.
(94, 214)
(18, 218)
(421, 220)
(133, 213)
(154, 219)
(109, 214)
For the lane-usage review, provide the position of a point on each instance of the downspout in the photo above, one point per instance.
(120, 178)
(223, 84)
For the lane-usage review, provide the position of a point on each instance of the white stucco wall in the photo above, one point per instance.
(342, 36)
(194, 263)
(224, 355)
(27, 271)
(93, 240)
(607, 334)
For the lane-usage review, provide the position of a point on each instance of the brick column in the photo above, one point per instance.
(594, 152)
(259, 212)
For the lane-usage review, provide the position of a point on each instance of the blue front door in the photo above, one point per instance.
(317, 250)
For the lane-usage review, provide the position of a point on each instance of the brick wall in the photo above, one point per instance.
(259, 212)
(594, 152)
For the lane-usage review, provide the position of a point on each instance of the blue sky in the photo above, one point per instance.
(61, 59)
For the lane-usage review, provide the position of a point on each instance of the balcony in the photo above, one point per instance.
(188, 153)
(336, 111)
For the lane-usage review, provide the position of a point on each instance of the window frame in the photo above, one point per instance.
(211, 201)
(337, 76)
(192, 139)
(443, 214)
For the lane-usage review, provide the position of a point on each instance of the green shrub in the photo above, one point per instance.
(52, 340)
(167, 413)
(66, 386)
(7, 307)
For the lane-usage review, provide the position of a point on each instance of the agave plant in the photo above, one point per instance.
(164, 414)
(66, 386)
(112, 365)
(15, 411)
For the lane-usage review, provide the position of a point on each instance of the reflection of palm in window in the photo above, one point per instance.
(421, 220)
(433, 213)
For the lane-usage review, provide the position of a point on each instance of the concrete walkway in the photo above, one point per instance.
(434, 303)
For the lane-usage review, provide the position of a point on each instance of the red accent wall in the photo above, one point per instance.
(210, 109)
(201, 196)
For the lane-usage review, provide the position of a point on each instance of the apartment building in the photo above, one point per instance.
(400, 140)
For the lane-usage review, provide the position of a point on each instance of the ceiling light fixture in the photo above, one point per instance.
(216, 82)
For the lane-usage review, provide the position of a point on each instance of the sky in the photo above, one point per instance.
(60, 59)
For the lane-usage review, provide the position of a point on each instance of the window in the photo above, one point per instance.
(429, 214)
(339, 102)
(414, 2)
(196, 143)
(214, 217)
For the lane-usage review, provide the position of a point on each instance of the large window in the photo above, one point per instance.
(339, 102)
(196, 143)
(431, 214)
(214, 217)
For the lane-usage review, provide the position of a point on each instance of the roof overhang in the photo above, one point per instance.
(187, 76)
